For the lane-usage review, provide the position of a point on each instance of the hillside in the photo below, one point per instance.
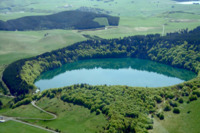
(179, 49)
(62, 20)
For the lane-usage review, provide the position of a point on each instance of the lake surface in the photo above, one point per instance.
(119, 71)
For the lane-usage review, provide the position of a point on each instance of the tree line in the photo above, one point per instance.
(127, 108)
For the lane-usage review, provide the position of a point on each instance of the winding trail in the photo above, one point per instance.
(54, 116)
(16, 119)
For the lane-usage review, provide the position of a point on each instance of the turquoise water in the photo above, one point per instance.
(119, 71)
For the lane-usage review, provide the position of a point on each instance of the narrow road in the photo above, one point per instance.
(7, 96)
(54, 116)
(52, 131)
(16, 119)
(163, 32)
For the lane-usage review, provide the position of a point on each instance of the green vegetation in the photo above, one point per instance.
(27, 111)
(114, 101)
(102, 21)
(171, 49)
(71, 118)
(180, 49)
(184, 122)
(176, 111)
(62, 20)
(148, 19)
(18, 45)
(15, 127)
(1, 104)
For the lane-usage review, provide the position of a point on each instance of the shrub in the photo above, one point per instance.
(176, 111)
(22, 102)
(132, 114)
(1, 104)
(98, 111)
(194, 88)
(161, 116)
(193, 97)
(158, 99)
(167, 108)
(150, 126)
(173, 104)
(196, 92)
(180, 100)
(170, 96)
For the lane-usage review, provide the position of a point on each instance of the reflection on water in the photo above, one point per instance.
(120, 71)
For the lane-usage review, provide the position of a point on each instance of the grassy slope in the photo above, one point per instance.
(145, 20)
(27, 111)
(15, 127)
(182, 123)
(17, 45)
(71, 118)
(5, 101)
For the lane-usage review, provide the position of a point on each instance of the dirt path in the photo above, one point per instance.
(16, 119)
(54, 116)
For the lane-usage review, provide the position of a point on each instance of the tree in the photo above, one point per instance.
(158, 99)
(167, 108)
(1, 104)
(176, 111)
(196, 92)
(98, 111)
(180, 100)
(193, 97)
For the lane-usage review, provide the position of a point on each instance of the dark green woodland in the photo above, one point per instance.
(62, 20)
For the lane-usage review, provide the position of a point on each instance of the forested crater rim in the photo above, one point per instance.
(170, 49)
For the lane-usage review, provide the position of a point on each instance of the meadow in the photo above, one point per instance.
(136, 18)
(23, 44)
(184, 122)
(71, 118)
(12, 126)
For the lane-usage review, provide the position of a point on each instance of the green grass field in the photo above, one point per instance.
(136, 17)
(15, 127)
(27, 111)
(71, 118)
(17, 45)
(185, 122)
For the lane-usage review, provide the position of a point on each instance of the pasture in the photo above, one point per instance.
(71, 118)
(15, 45)
(185, 122)
(15, 127)
(137, 17)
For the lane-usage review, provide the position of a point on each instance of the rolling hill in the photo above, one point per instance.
(62, 20)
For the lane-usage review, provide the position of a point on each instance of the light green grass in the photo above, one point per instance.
(27, 111)
(17, 45)
(102, 21)
(180, 123)
(138, 18)
(15, 127)
(5, 100)
(71, 118)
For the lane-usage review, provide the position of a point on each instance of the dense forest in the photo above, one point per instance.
(127, 108)
(62, 20)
